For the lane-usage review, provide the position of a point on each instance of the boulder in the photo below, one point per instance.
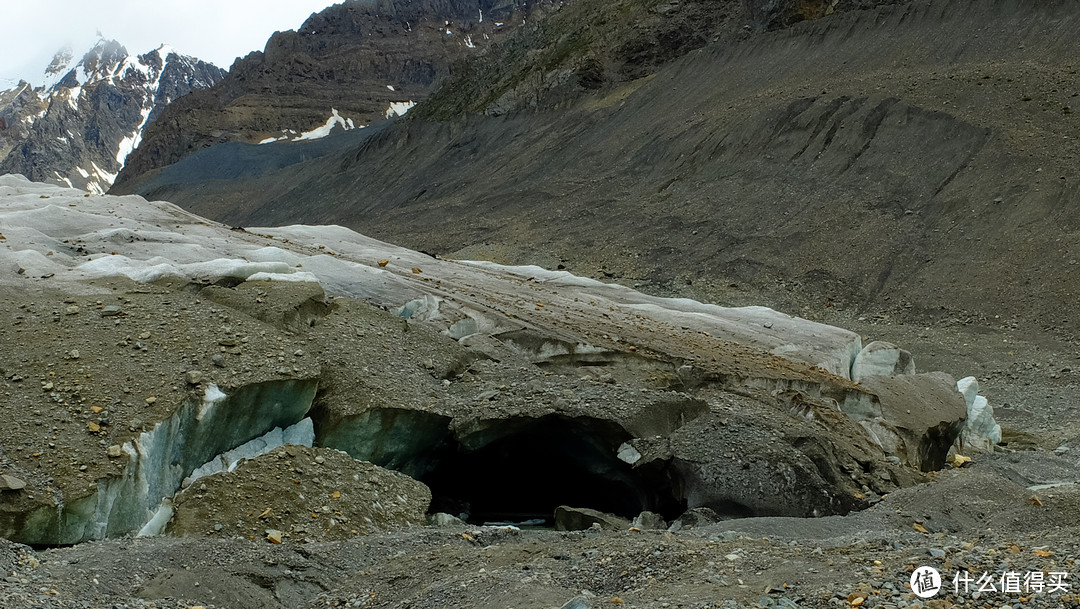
(442, 519)
(750, 462)
(578, 602)
(648, 521)
(11, 483)
(579, 519)
(696, 517)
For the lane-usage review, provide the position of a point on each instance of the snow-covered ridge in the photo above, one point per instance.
(107, 60)
(64, 102)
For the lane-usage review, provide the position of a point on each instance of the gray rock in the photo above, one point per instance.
(628, 453)
(726, 536)
(442, 519)
(698, 516)
(11, 483)
(578, 602)
(581, 519)
(111, 311)
(647, 521)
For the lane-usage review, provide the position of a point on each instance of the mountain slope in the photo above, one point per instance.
(359, 59)
(79, 127)
(916, 161)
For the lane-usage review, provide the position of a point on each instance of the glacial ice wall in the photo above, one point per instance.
(160, 459)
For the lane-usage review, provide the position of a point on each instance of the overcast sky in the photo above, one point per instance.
(217, 31)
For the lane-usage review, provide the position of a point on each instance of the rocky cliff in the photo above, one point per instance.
(78, 127)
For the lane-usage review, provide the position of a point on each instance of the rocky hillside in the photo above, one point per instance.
(79, 127)
(361, 61)
(910, 161)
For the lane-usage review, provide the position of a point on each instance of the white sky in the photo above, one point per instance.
(217, 31)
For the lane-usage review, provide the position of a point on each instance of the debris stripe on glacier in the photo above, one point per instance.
(157, 239)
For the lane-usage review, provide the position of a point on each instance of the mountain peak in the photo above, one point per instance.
(60, 65)
(59, 134)
(61, 61)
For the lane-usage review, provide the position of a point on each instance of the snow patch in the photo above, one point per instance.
(335, 120)
(158, 267)
(399, 108)
(323, 131)
(211, 397)
(132, 63)
(301, 277)
(73, 96)
(105, 176)
(58, 69)
(63, 179)
(132, 141)
(157, 523)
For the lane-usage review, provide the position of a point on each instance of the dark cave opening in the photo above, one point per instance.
(523, 469)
